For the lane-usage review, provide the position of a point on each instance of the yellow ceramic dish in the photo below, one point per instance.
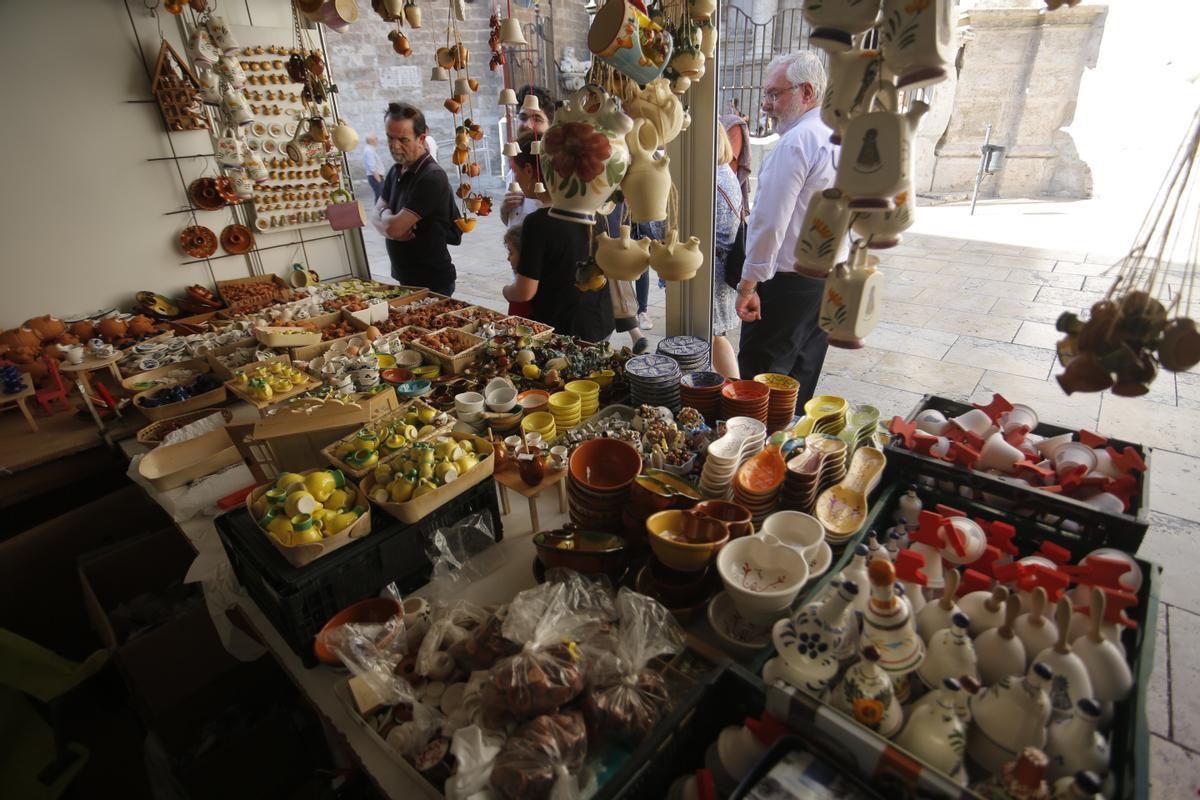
(603, 378)
(427, 372)
(665, 530)
(826, 405)
(539, 422)
(587, 390)
(775, 380)
(386, 360)
(565, 402)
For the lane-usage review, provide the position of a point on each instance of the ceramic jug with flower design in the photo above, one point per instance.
(837, 22)
(822, 234)
(854, 77)
(917, 39)
(851, 303)
(584, 156)
(882, 228)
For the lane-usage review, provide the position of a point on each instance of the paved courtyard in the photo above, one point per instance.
(965, 318)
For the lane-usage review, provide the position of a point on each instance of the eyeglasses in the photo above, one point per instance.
(772, 96)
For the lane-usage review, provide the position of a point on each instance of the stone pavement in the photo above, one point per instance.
(965, 318)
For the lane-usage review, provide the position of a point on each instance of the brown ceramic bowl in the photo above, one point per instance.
(586, 552)
(532, 401)
(605, 465)
(646, 492)
(735, 517)
(674, 588)
(375, 610)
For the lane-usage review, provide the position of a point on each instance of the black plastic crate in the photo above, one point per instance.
(1101, 528)
(298, 601)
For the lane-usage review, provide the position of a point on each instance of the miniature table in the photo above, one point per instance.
(19, 398)
(509, 477)
(81, 371)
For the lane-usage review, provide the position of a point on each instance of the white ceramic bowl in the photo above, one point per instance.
(762, 576)
(802, 532)
(468, 403)
(408, 359)
(502, 399)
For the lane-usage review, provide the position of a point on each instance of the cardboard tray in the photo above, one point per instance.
(225, 373)
(157, 376)
(328, 452)
(452, 364)
(309, 384)
(281, 290)
(302, 554)
(213, 398)
(174, 465)
(286, 336)
(415, 510)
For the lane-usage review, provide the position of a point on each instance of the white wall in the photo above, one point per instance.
(84, 220)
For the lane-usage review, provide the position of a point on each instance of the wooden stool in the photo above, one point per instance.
(20, 399)
(509, 477)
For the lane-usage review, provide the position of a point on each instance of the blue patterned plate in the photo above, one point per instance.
(683, 347)
(652, 367)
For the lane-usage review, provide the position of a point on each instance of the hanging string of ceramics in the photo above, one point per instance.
(1144, 321)
(399, 12)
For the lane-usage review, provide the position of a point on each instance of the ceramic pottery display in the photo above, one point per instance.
(584, 156)
(1009, 716)
(852, 301)
(1001, 654)
(888, 624)
(1074, 744)
(623, 258)
(854, 78)
(936, 735)
(866, 694)
(856, 571)
(917, 40)
(837, 22)
(675, 260)
(627, 40)
(876, 161)
(950, 654)
(761, 576)
(1071, 683)
(1035, 630)
(647, 183)
(807, 645)
(661, 108)
(1019, 779)
(822, 234)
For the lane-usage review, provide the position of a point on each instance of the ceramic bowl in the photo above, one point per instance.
(566, 403)
(541, 422)
(414, 388)
(408, 359)
(385, 361)
(674, 589)
(533, 401)
(678, 554)
(426, 371)
(602, 378)
(501, 399)
(605, 464)
(375, 610)
(396, 375)
(586, 552)
(585, 389)
(702, 380)
(751, 393)
(468, 403)
(735, 517)
(647, 491)
(802, 532)
(762, 576)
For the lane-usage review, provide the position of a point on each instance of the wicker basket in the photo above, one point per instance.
(153, 434)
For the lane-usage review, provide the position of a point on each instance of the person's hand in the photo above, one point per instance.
(511, 201)
(748, 307)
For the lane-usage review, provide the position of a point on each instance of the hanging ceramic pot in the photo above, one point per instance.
(1179, 347)
(950, 654)
(210, 86)
(675, 260)
(345, 138)
(917, 40)
(852, 300)
(222, 37)
(866, 694)
(888, 625)
(708, 39)
(412, 14)
(877, 153)
(1000, 653)
(629, 42)
(935, 734)
(1071, 682)
(623, 258)
(1009, 716)
(822, 234)
(1074, 744)
(584, 155)
(661, 108)
(836, 22)
(202, 49)
(1036, 630)
(647, 183)
(882, 228)
(854, 78)
(701, 9)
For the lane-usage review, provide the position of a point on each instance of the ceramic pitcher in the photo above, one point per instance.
(822, 234)
(210, 86)
(836, 22)
(661, 108)
(627, 40)
(917, 39)
(647, 183)
(623, 258)
(230, 69)
(222, 37)
(229, 148)
(852, 299)
(854, 78)
(882, 228)
(676, 260)
(253, 166)
(202, 49)
(235, 108)
(584, 157)
(876, 161)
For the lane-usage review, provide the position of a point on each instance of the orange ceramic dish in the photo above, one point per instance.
(374, 610)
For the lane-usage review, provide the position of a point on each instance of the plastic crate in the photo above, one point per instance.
(1129, 734)
(1101, 528)
(298, 601)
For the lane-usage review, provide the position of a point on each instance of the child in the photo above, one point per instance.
(512, 241)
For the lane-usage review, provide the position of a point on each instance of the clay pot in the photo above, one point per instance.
(1085, 373)
(46, 327)
(579, 171)
(20, 337)
(646, 184)
(84, 329)
(1135, 372)
(67, 339)
(23, 355)
(1179, 349)
(110, 329)
(140, 326)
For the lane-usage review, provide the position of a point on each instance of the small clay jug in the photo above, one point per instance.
(852, 302)
(854, 78)
(647, 182)
(822, 234)
(531, 466)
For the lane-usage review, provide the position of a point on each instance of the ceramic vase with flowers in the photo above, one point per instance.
(584, 155)
(866, 694)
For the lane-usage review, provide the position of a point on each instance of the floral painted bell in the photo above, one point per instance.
(807, 645)
(852, 300)
(866, 694)
(1009, 716)
(935, 733)
(888, 625)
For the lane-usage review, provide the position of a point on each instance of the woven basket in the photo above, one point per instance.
(153, 434)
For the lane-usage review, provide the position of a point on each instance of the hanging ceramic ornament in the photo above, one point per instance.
(888, 625)
(852, 300)
(1074, 744)
(985, 608)
(203, 51)
(950, 654)
(822, 234)
(917, 40)
(1035, 630)
(647, 183)
(507, 97)
(937, 615)
(836, 22)
(461, 88)
(935, 733)
(460, 10)
(344, 137)
(708, 38)
(511, 149)
(877, 153)
(881, 229)
(701, 9)
(866, 694)
(1071, 682)
(440, 73)
(1000, 653)
(1107, 668)
(676, 260)
(510, 33)
(1020, 779)
(627, 40)
(1009, 716)
(584, 157)
(623, 258)
(854, 78)
(806, 644)
(412, 14)
(661, 108)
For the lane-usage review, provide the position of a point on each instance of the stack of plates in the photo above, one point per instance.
(761, 500)
(823, 414)
(565, 407)
(745, 399)
(861, 426)
(820, 465)
(702, 391)
(589, 397)
(781, 406)
(691, 352)
(743, 439)
(540, 422)
(598, 480)
(653, 380)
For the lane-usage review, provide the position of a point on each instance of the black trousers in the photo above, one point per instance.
(787, 339)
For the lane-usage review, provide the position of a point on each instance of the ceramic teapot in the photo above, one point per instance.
(836, 22)
(866, 694)
(345, 138)
(675, 260)
(584, 156)
(936, 734)
(623, 258)
(877, 153)
(647, 183)
(852, 300)
(661, 108)
(888, 625)
(854, 78)
(822, 240)
(1009, 716)
(917, 40)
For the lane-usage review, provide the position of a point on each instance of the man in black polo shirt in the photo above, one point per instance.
(416, 209)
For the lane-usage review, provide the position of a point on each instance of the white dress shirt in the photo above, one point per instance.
(371, 161)
(802, 163)
(527, 207)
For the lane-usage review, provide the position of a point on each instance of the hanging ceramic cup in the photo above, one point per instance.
(229, 149)
(836, 22)
(222, 37)
(917, 40)
(877, 152)
(235, 108)
(210, 86)
(851, 303)
(629, 42)
(822, 234)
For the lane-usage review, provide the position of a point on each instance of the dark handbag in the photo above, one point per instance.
(735, 257)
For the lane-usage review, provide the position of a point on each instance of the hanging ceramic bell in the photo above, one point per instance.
(507, 97)
(937, 616)
(1074, 744)
(1071, 682)
(877, 152)
(822, 239)
(461, 87)
(1035, 630)
(1001, 654)
(530, 103)
(510, 33)
(1009, 716)
(1106, 664)
(888, 625)
(935, 734)
(647, 183)
(439, 74)
(866, 694)
(535, 147)
(511, 149)
(950, 654)
(852, 300)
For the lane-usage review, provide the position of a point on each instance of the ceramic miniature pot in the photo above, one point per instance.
(822, 239)
(1073, 744)
(837, 22)
(235, 107)
(761, 576)
(661, 108)
(647, 183)
(1009, 716)
(936, 735)
(628, 41)
(866, 694)
(623, 258)
(854, 78)
(852, 300)
(877, 152)
(675, 260)
(344, 137)
(917, 40)
(584, 155)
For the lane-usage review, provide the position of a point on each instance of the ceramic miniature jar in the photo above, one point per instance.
(888, 625)
(647, 183)
(623, 258)
(1020, 779)
(1071, 682)
(1000, 653)
(807, 645)
(1009, 716)
(854, 78)
(852, 300)
(936, 616)
(822, 241)
(1074, 744)
(917, 40)
(675, 260)
(584, 156)
(984, 608)
(877, 152)
(936, 735)
(836, 22)
(1035, 630)
(866, 694)
(950, 654)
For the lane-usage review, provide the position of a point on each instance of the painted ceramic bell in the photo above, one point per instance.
(866, 694)
(1074, 744)
(647, 183)
(584, 156)
(856, 571)
(936, 616)
(918, 40)
(676, 260)
(852, 300)
(1106, 664)
(1001, 654)
(936, 735)
(1009, 716)
(807, 644)
(962, 700)
(1020, 779)
(837, 22)
(1035, 630)
(877, 153)
(950, 654)
(882, 228)
(822, 239)
(835, 615)
(854, 78)
(888, 624)
(1071, 682)
(985, 608)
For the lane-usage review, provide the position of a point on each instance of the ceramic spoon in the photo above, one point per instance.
(842, 509)
(764, 472)
(935, 617)
(1000, 653)
(1035, 629)
(1106, 666)
(1071, 682)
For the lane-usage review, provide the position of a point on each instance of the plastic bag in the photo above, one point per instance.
(450, 623)
(554, 623)
(486, 645)
(625, 698)
(461, 554)
(538, 761)
(475, 754)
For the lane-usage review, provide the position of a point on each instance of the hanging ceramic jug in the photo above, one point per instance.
(628, 41)
(1023, 778)
(1001, 654)
(950, 654)
(229, 148)
(345, 138)
(222, 37)
(253, 166)
(984, 608)
(822, 241)
(1074, 744)
(883, 228)
(210, 86)
(876, 163)
(852, 300)
(623, 258)
(854, 78)
(661, 108)
(936, 616)
(935, 734)
(888, 625)
(917, 40)
(1071, 682)
(1035, 630)
(647, 183)
(1009, 716)
(584, 157)
(837, 22)
(675, 260)
(243, 184)
(235, 108)
(412, 14)
(202, 49)
(866, 694)
(807, 643)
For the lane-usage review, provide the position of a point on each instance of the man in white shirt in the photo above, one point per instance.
(371, 164)
(778, 307)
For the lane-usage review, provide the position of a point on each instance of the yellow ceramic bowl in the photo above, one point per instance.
(777, 381)
(603, 378)
(539, 422)
(386, 360)
(825, 405)
(566, 402)
(663, 528)
(587, 390)
(427, 372)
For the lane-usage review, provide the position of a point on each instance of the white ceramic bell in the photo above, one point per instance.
(937, 616)
(918, 40)
(852, 301)
(949, 654)
(507, 97)
(1074, 744)
(530, 103)
(513, 186)
(823, 238)
(439, 74)
(1080, 786)
(854, 78)
(865, 693)
(876, 163)
(998, 454)
(1009, 716)
(462, 87)
(511, 149)
(510, 33)
(1106, 664)
(837, 22)
(962, 701)
(647, 183)
(807, 645)
(1071, 682)
(909, 506)
(985, 608)
(888, 625)
(1081, 623)
(1035, 630)
(1000, 653)
(935, 734)
(856, 571)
